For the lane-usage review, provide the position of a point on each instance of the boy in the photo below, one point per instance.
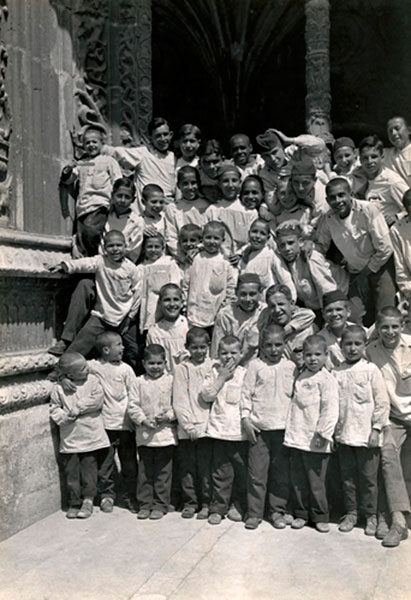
(336, 312)
(265, 399)
(194, 447)
(210, 282)
(401, 242)
(153, 201)
(117, 291)
(308, 189)
(275, 167)
(309, 430)
(151, 411)
(222, 388)
(94, 175)
(363, 412)
(240, 318)
(82, 435)
(344, 154)
(119, 385)
(241, 152)
(398, 158)
(189, 240)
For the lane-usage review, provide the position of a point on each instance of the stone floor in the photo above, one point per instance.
(116, 557)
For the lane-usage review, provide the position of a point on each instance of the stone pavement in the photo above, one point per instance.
(115, 557)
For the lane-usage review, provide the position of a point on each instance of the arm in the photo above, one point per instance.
(114, 170)
(231, 285)
(214, 382)
(381, 241)
(171, 229)
(134, 410)
(83, 265)
(246, 404)
(137, 280)
(93, 401)
(57, 413)
(402, 273)
(322, 235)
(221, 328)
(323, 276)
(381, 411)
(282, 275)
(328, 416)
(128, 158)
(301, 319)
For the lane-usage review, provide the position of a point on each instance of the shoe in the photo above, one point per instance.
(155, 515)
(215, 519)
(348, 522)
(382, 527)
(252, 523)
(72, 512)
(371, 525)
(144, 513)
(130, 505)
(395, 535)
(188, 512)
(278, 521)
(58, 349)
(86, 509)
(322, 527)
(203, 513)
(298, 523)
(106, 505)
(234, 514)
(288, 519)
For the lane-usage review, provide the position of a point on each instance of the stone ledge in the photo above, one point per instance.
(17, 396)
(26, 362)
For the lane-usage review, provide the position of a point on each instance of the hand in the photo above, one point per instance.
(234, 259)
(150, 231)
(191, 254)
(265, 213)
(162, 418)
(250, 430)
(319, 440)
(391, 219)
(66, 172)
(226, 372)
(60, 268)
(149, 424)
(374, 439)
(73, 413)
(307, 249)
(193, 435)
(68, 386)
(125, 326)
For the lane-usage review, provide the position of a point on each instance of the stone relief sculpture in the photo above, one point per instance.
(5, 123)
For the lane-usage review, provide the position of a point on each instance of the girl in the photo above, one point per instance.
(187, 145)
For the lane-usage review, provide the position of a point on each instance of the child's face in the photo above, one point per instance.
(389, 331)
(189, 241)
(251, 194)
(212, 240)
(189, 145)
(398, 133)
(154, 366)
(115, 248)
(229, 354)
(229, 183)
(285, 198)
(336, 314)
(114, 352)
(122, 199)
(272, 348)
(281, 308)
(353, 347)
(314, 357)
(344, 158)
(153, 248)
(339, 200)
(248, 296)
(171, 304)
(161, 138)
(371, 161)
(302, 185)
(154, 204)
(258, 236)
(289, 247)
(198, 349)
(240, 150)
(274, 159)
(188, 187)
(92, 143)
(210, 164)
(77, 372)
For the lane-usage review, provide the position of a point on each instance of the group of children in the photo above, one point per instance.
(237, 290)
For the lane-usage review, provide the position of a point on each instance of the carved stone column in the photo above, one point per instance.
(317, 41)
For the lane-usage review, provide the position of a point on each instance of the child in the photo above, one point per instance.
(363, 412)
(153, 219)
(189, 241)
(240, 318)
(95, 175)
(194, 447)
(211, 158)
(119, 386)
(222, 388)
(189, 209)
(154, 272)
(308, 189)
(188, 142)
(117, 291)
(289, 209)
(152, 413)
(336, 312)
(265, 399)
(275, 164)
(401, 242)
(171, 329)
(241, 151)
(398, 158)
(260, 259)
(345, 157)
(82, 435)
(210, 282)
(309, 430)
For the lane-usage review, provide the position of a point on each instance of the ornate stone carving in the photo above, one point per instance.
(26, 363)
(317, 39)
(17, 254)
(14, 396)
(144, 99)
(5, 122)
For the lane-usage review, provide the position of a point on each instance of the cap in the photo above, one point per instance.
(249, 278)
(268, 140)
(335, 296)
(305, 166)
(343, 142)
(227, 168)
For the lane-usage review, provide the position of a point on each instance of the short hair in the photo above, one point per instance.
(215, 225)
(155, 123)
(406, 199)
(271, 329)
(157, 236)
(315, 340)
(255, 178)
(113, 233)
(229, 340)
(194, 333)
(398, 117)
(371, 141)
(236, 135)
(260, 221)
(100, 129)
(388, 311)
(154, 350)
(69, 359)
(354, 329)
(187, 170)
(338, 181)
(105, 339)
(210, 147)
(189, 129)
(190, 229)
(125, 182)
(246, 278)
(292, 227)
(149, 189)
(278, 288)
(169, 286)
